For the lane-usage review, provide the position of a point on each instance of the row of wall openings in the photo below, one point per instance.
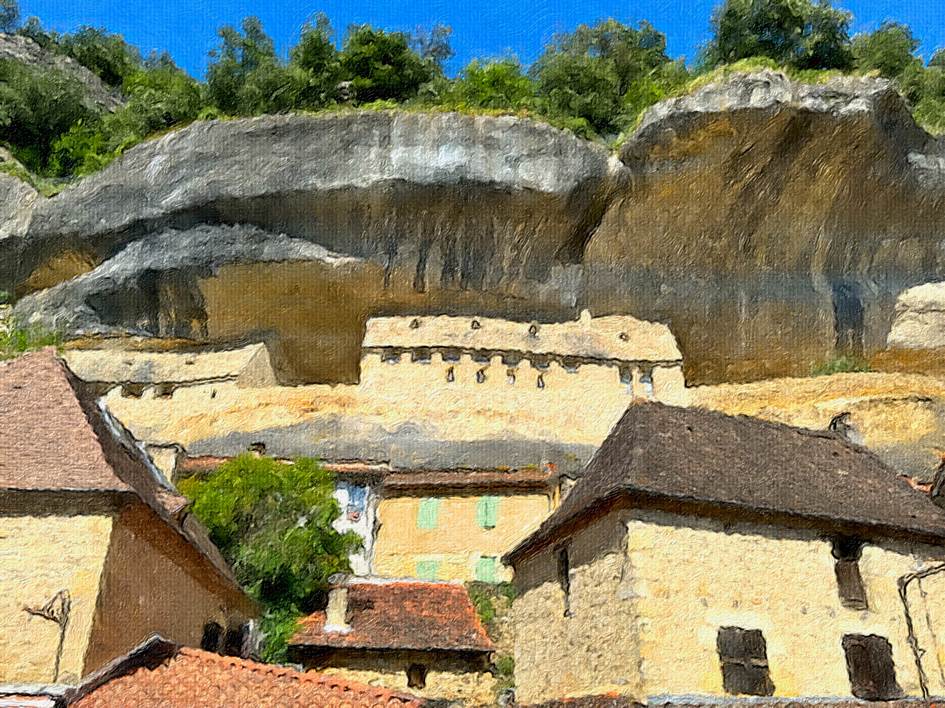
(743, 655)
(542, 363)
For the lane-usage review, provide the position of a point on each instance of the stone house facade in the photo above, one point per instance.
(704, 556)
(96, 548)
(422, 637)
(457, 524)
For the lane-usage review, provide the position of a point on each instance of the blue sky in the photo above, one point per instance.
(481, 28)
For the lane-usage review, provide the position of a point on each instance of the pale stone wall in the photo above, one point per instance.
(458, 541)
(656, 608)
(39, 556)
(154, 582)
(594, 650)
(446, 680)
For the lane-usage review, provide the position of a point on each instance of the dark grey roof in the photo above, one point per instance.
(709, 460)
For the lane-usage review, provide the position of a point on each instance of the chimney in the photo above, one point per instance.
(337, 610)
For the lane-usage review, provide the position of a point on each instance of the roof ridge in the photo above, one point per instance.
(280, 671)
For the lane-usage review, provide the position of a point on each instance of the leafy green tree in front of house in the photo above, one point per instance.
(273, 523)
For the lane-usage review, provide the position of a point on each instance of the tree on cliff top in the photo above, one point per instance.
(797, 33)
(273, 523)
(890, 50)
(382, 66)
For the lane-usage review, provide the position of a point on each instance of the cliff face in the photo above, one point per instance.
(769, 224)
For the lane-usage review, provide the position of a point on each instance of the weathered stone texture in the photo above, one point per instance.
(659, 603)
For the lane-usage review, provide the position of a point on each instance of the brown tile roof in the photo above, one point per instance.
(401, 614)
(161, 675)
(524, 478)
(55, 436)
(740, 464)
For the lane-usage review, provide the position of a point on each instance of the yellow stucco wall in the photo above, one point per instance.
(39, 556)
(458, 541)
(656, 593)
(153, 582)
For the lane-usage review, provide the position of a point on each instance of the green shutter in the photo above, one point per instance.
(487, 512)
(427, 570)
(485, 569)
(427, 513)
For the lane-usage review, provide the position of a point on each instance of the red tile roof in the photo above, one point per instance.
(47, 441)
(55, 436)
(401, 614)
(161, 675)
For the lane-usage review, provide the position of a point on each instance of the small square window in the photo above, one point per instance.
(744, 657)
(870, 667)
(428, 513)
(485, 569)
(416, 676)
(428, 569)
(487, 512)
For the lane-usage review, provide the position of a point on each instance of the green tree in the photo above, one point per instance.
(433, 45)
(104, 54)
(499, 84)
(36, 108)
(938, 59)
(17, 339)
(584, 76)
(246, 77)
(9, 15)
(890, 50)
(797, 33)
(273, 522)
(159, 96)
(316, 57)
(382, 66)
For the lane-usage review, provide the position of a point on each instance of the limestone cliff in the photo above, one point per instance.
(770, 224)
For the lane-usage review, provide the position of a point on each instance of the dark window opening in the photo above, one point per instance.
(540, 381)
(212, 634)
(390, 357)
(257, 448)
(850, 585)
(564, 577)
(233, 640)
(451, 355)
(744, 657)
(132, 390)
(870, 667)
(450, 375)
(416, 676)
(481, 376)
(421, 356)
(163, 390)
(482, 357)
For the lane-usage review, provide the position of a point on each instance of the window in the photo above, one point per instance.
(450, 375)
(564, 577)
(510, 376)
(485, 569)
(428, 513)
(540, 381)
(487, 512)
(481, 376)
(416, 676)
(421, 356)
(427, 569)
(870, 666)
(646, 381)
(212, 635)
(744, 657)
(847, 551)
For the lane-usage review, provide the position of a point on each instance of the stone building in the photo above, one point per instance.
(456, 524)
(618, 357)
(703, 555)
(97, 550)
(162, 674)
(423, 637)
